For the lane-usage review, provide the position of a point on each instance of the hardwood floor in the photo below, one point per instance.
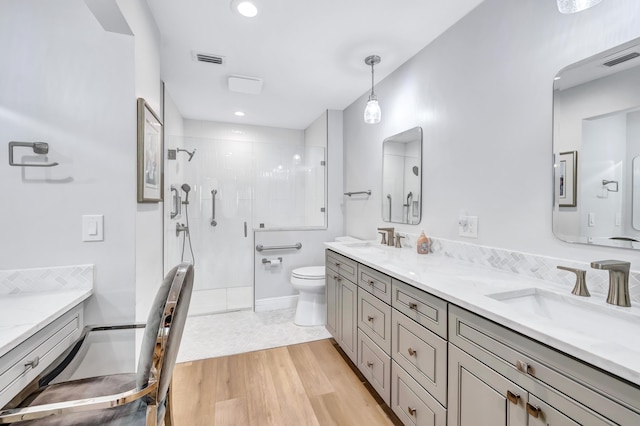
(306, 384)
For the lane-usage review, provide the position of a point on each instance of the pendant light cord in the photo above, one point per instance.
(373, 95)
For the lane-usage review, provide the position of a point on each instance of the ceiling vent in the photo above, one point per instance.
(208, 58)
(621, 59)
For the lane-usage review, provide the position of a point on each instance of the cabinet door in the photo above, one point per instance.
(478, 396)
(348, 318)
(331, 291)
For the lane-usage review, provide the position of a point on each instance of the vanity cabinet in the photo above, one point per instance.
(374, 329)
(419, 353)
(342, 302)
(497, 376)
(23, 363)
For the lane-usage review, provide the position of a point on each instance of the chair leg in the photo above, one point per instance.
(168, 413)
(152, 415)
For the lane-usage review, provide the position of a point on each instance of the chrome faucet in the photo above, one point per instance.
(618, 280)
(389, 237)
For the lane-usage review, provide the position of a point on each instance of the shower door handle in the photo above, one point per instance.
(213, 207)
(245, 229)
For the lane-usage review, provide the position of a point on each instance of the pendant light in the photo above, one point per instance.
(372, 113)
(573, 6)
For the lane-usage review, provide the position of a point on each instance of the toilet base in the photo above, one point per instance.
(311, 310)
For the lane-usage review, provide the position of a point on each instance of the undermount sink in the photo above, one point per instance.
(365, 247)
(606, 323)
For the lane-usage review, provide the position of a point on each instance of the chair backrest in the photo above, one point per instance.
(163, 331)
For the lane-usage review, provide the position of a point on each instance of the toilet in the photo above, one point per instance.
(312, 304)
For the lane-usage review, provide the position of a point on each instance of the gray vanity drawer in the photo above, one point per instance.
(23, 363)
(375, 365)
(534, 366)
(374, 318)
(375, 283)
(421, 353)
(411, 403)
(344, 266)
(427, 310)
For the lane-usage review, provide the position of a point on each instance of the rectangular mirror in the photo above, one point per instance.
(596, 136)
(402, 177)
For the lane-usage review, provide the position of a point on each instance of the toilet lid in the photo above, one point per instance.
(309, 272)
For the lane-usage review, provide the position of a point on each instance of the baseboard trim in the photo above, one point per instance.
(273, 303)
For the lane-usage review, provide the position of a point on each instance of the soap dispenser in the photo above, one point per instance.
(423, 244)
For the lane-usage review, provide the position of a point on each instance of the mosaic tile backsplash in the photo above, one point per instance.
(530, 265)
(45, 279)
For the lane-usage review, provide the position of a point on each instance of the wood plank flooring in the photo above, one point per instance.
(306, 384)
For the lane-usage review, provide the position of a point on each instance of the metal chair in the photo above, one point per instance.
(140, 398)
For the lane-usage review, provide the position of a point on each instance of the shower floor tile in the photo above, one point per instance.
(211, 336)
(239, 297)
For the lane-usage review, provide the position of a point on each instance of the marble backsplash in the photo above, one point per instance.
(46, 279)
(530, 265)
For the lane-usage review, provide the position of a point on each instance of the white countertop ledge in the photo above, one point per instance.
(468, 285)
(24, 314)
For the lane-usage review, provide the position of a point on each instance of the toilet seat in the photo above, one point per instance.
(309, 273)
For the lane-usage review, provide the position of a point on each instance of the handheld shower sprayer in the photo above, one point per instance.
(186, 188)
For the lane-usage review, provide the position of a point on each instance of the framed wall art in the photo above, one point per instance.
(567, 178)
(150, 146)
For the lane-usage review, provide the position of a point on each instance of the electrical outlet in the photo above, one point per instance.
(468, 226)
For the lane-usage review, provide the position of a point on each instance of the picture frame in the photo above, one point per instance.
(567, 179)
(150, 148)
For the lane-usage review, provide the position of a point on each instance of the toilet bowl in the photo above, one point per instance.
(312, 305)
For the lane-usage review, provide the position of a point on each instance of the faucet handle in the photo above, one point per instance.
(398, 242)
(384, 238)
(580, 288)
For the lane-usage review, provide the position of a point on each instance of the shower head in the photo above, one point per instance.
(186, 188)
(415, 170)
(189, 153)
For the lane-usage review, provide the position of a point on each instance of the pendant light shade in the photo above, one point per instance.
(573, 6)
(372, 112)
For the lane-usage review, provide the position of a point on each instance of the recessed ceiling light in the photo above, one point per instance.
(239, 113)
(246, 8)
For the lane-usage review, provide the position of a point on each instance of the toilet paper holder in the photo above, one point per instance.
(267, 261)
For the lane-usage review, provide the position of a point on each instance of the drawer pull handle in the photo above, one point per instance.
(413, 306)
(524, 367)
(369, 364)
(411, 410)
(337, 278)
(33, 363)
(533, 410)
(337, 264)
(371, 282)
(369, 318)
(513, 397)
(412, 352)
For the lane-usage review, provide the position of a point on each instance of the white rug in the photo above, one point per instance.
(231, 333)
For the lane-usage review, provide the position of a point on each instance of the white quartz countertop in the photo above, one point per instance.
(24, 314)
(468, 285)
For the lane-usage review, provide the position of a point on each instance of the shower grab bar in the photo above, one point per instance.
(368, 192)
(177, 202)
(296, 246)
(213, 207)
(38, 148)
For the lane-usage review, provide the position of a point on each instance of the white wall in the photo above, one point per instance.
(67, 82)
(483, 94)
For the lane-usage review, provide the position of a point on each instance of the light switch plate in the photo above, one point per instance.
(93, 227)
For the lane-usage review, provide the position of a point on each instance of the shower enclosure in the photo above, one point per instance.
(236, 187)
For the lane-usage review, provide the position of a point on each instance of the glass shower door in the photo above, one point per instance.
(220, 214)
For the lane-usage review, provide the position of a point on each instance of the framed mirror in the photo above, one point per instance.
(596, 140)
(402, 177)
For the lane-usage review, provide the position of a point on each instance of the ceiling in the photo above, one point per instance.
(310, 54)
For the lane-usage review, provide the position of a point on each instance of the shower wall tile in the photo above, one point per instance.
(46, 279)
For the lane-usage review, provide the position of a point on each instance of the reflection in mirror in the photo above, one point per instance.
(402, 177)
(596, 112)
